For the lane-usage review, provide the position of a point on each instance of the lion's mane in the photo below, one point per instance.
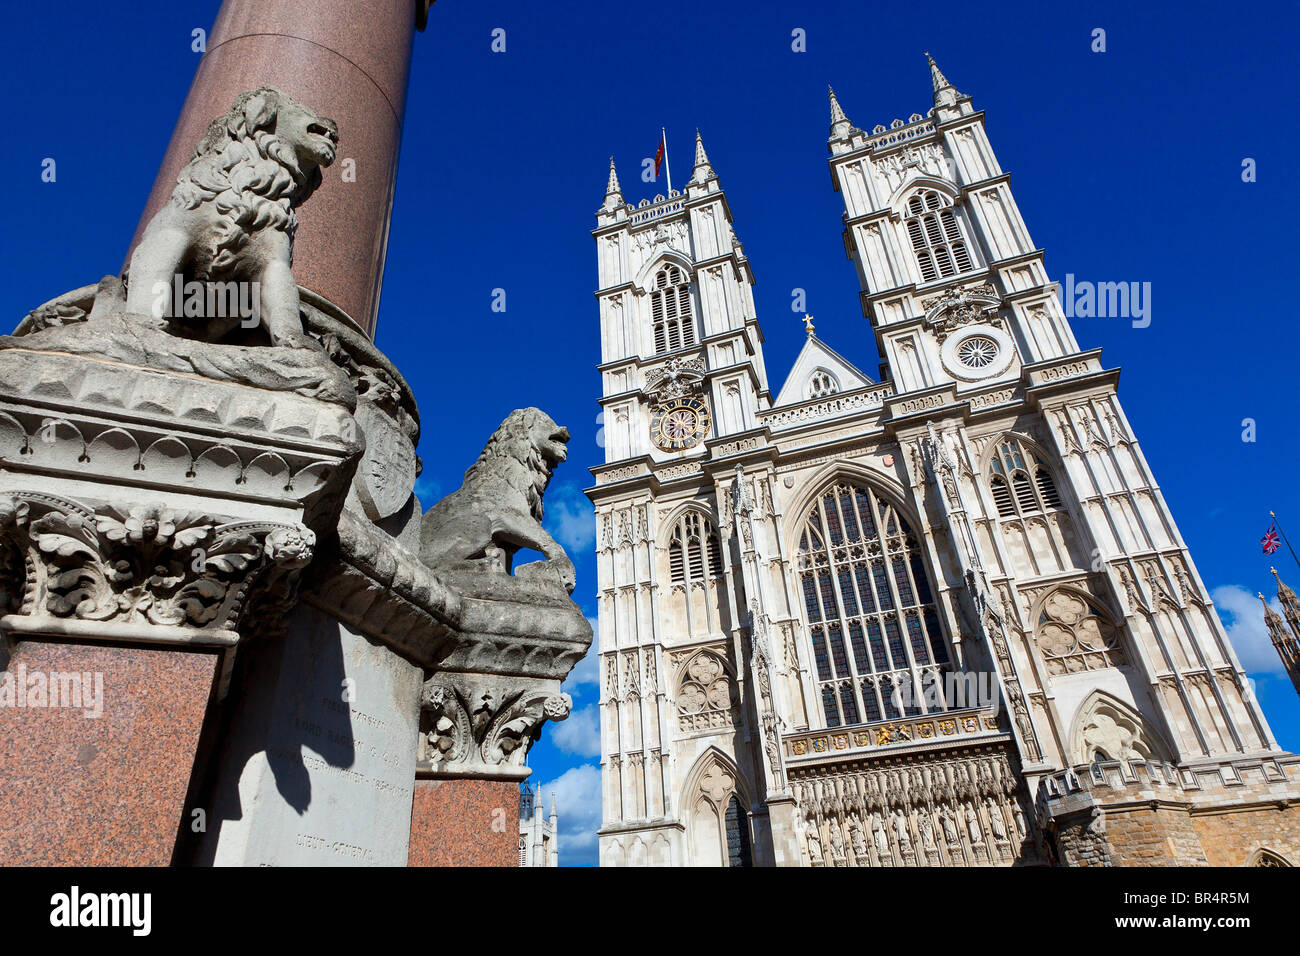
(250, 174)
(514, 441)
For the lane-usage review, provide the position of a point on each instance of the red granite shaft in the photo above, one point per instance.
(348, 61)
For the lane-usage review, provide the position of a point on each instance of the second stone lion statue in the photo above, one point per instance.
(231, 216)
(498, 508)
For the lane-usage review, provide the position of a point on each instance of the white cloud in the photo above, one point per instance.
(1243, 616)
(571, 518)
(577, 803)
(428, 491)
(579, 733)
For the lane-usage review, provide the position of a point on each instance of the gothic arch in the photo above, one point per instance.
(865, 588)
(1048, 459)
(666, 524)
(1266, 857)
(898, 201)
(705, 692)
(1106, 728)
(645, 278)
(821, 383)
(813, 487)
(710, 786)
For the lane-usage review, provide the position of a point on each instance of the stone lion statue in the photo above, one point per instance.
(231, 216)
(498, 508)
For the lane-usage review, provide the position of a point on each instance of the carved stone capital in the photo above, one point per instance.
(474, 725)
(145, 566)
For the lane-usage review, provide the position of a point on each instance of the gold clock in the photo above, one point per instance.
(680, 423)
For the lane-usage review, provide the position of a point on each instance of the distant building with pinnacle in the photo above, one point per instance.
(539, 843)
(1284, 629)
(942, 617)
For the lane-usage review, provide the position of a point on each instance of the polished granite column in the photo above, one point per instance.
(350, 60)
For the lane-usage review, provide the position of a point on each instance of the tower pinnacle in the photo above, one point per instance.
(840, 125)
(703, 171)
(945, 94)
(613, 192)
(1285, 641)
(1290, 603)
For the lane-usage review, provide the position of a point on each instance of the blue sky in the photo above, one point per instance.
(1126, 165)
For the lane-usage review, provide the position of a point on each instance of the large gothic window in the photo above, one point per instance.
(877, 645)
(936, 237)
(670, 311)
(694, 554)
(1020, 484)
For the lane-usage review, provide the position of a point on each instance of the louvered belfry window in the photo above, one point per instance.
(670, 311)
(876, 640)
(1019, 483)
(695, 553)
(936, 239)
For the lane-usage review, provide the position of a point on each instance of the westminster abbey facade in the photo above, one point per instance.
(942, 618)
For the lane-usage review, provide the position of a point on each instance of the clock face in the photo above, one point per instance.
(680, 423)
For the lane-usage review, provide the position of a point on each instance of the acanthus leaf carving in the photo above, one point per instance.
(150, 564)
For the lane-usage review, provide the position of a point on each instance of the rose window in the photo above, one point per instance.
(977, 352)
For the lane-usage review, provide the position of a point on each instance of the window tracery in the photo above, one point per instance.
(877, 645)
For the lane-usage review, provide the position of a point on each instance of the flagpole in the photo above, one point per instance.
(1278, 525)
(668, 169)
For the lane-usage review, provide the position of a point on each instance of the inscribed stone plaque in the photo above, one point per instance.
(319, 768)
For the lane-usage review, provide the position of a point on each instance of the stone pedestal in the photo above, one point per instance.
(97, 745)
(465, 822)
(318, 768)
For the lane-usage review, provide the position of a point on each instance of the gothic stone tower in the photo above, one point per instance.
(945, 618)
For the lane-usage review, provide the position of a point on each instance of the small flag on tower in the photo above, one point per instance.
(1270, 541)
(659, 153)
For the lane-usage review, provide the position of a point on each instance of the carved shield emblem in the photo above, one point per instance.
(386, 475)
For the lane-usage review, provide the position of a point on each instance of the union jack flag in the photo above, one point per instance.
(1270, 540)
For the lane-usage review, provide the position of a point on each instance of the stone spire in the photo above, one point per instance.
(613, 191)
(840, 125)
(703, 171)
(945, 94)
(1290, 603)
(1285, 640)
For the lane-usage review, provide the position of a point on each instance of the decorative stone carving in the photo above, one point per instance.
(920, 807)
(1074, 636)
(498, 508)
(475, 726)
(955, 308)
(676, 378)
(148, 565)
(705, 694)
(231, 214)
(213, 266)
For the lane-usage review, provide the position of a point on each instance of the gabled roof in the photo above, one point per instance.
(815, 355)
